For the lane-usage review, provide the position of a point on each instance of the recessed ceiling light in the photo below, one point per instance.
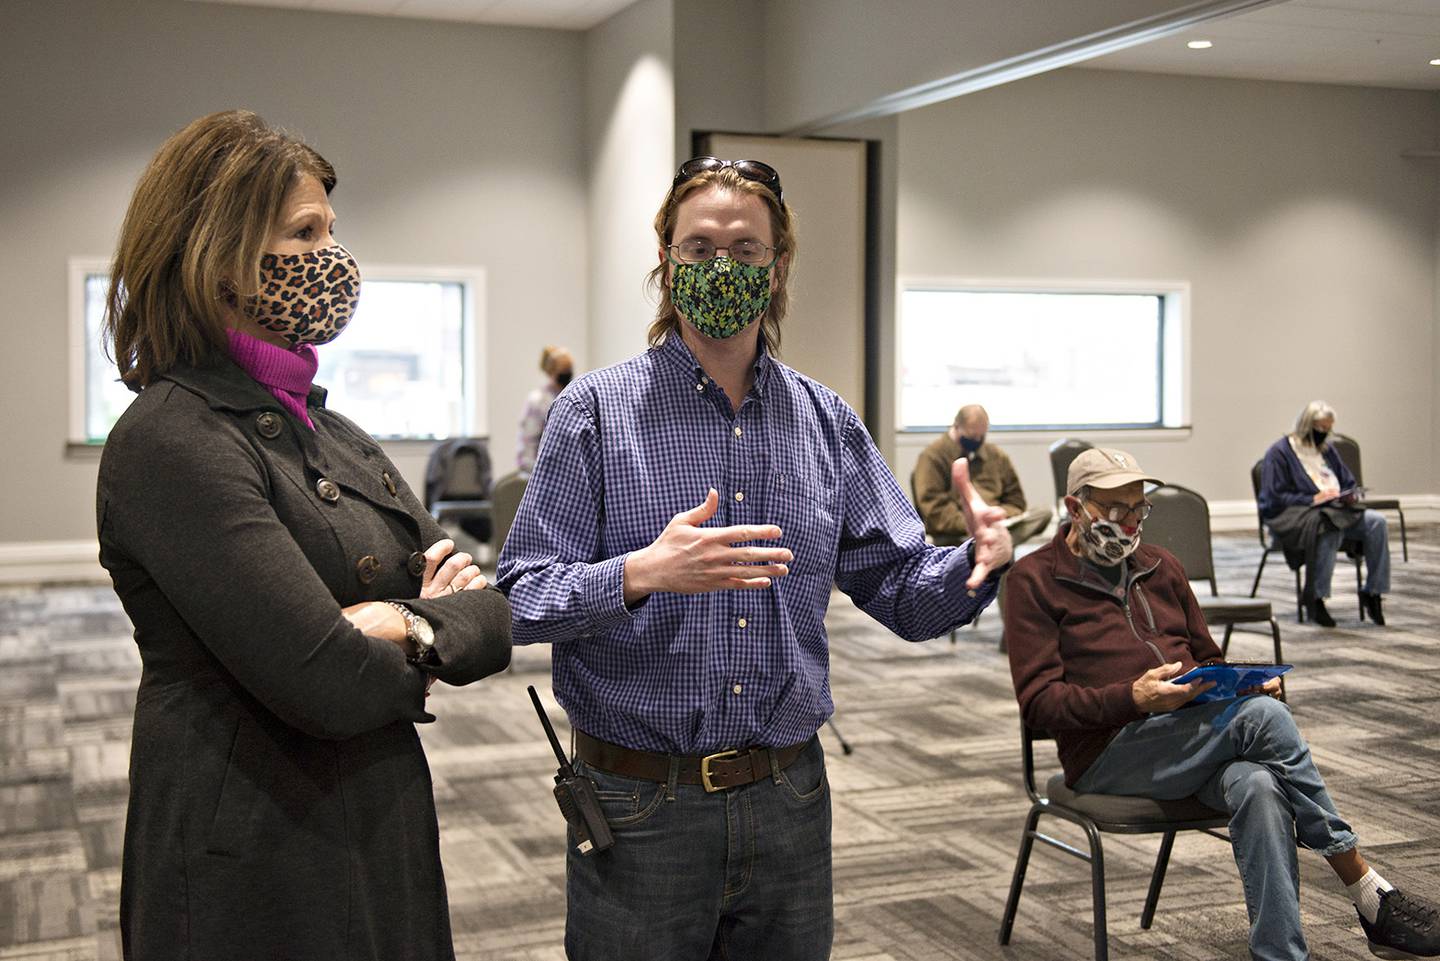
(1435, 62)
(1199, 44)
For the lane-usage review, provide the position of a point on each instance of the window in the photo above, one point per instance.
(1041, 358)
(405, 368)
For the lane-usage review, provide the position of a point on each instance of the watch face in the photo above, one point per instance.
(424, 634)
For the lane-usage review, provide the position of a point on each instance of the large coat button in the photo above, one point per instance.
(328, 490)
(390, 484)
(268, 425)
(416, 564)
(366, 569)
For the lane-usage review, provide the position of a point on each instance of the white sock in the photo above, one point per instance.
(1366, 894)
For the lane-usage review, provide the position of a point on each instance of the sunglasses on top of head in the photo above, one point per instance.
(761, 173)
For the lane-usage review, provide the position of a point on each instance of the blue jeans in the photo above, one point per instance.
(1371, 531)
(738, 874)
(1244, 756)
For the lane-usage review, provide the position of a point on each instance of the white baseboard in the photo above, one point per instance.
(48, 562)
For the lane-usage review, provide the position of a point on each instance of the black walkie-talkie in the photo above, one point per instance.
(576, 795)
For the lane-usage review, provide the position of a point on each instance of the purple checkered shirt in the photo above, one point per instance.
(628, 447)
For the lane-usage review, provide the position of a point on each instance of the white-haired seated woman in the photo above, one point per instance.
(1308, 500)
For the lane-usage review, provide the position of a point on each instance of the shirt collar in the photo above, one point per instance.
(226, 387)
(674, 349)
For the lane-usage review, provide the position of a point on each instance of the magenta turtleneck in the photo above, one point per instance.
(285, 373)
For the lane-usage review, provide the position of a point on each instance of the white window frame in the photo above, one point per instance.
(1175, 347)
(473, 334)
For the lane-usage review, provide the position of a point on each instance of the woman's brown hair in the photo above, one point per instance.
(192, 239)
(782, 222)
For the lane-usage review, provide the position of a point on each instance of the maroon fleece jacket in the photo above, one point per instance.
(1077, 644)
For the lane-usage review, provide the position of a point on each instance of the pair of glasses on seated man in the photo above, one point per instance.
(1116, 513)
(697, 250)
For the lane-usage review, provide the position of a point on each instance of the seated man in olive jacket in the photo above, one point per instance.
(991, 474)
(1098, 624)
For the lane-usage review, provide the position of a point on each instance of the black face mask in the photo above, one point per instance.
(970, 445)
(563, 377)
(1317, 437)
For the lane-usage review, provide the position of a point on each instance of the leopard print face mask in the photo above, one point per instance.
(307, 298)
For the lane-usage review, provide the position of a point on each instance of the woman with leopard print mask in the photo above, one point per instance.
(292, 600)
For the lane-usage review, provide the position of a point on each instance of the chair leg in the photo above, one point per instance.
(1359, 589)
(844, 744)
(1261, 570)
(1225, 644)
(1097, 890)
(1299, 600)
(1017, 881)
(1162, 861)
(1275, 635)
(1404, 544)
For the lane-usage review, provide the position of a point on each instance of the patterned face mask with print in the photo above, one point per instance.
(1105, 542)
(720, 297)
(307, 298)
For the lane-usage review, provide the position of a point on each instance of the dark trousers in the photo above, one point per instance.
(741, 873)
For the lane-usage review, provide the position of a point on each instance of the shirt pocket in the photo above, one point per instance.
(805, 513)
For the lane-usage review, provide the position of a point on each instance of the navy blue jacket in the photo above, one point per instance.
(1284, 482)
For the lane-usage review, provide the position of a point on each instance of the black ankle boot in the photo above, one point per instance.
(1373, 608)
(1319, 615)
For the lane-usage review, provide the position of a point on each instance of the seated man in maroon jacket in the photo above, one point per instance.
(1097, 625)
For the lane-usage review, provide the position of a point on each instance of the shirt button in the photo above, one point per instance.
(328, 491)
(739, 495)
(738, 432)
(736, 689)
(367, 567)
(971, 593)
(415, 564)
(742, 622)
(390, 484)
(699, 386)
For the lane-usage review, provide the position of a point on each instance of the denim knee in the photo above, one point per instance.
(1252, 785)
(1268, 718)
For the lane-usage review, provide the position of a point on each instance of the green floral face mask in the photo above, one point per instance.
(720, 297)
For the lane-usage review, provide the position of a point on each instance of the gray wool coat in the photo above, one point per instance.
(280, 802)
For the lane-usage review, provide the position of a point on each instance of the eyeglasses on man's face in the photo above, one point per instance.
(758, 171)
(697, 250)
(1120, 513)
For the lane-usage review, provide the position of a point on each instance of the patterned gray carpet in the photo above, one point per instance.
(928, 809)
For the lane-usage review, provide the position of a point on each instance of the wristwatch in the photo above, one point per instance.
(419, 633)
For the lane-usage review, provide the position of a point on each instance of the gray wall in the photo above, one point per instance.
(1309, 244)
(455, 144)
(629, 139)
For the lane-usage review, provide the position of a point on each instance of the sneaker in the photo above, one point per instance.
(1373, 608)
(1319, 615)
(1406, 927)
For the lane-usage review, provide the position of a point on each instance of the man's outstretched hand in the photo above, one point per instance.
(985, 523)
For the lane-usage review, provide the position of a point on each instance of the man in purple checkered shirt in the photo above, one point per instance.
(677, 543)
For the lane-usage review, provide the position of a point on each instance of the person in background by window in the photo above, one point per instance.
(1307, 498)
(991, 474)
(558, 367)
(689, 512)
(292, 600)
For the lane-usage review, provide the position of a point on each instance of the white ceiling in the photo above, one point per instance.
(557, 14)
(1373, 43)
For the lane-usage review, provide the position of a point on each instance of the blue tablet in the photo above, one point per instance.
(1230, 678)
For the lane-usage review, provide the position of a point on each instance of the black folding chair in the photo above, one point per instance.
(1062, 452)
(1349, 450)
(1180, 523)
(1097, 814)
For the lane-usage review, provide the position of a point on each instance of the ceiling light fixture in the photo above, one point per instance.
(1435, 62)
(1199, 44)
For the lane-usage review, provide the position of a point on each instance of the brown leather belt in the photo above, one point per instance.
(714, 772)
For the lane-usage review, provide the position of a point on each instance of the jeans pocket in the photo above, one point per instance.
(804, 780)
(624, 801)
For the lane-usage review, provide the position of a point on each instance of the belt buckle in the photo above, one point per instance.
(705, 769)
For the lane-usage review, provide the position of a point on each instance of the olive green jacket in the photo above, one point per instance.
(991, 473)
